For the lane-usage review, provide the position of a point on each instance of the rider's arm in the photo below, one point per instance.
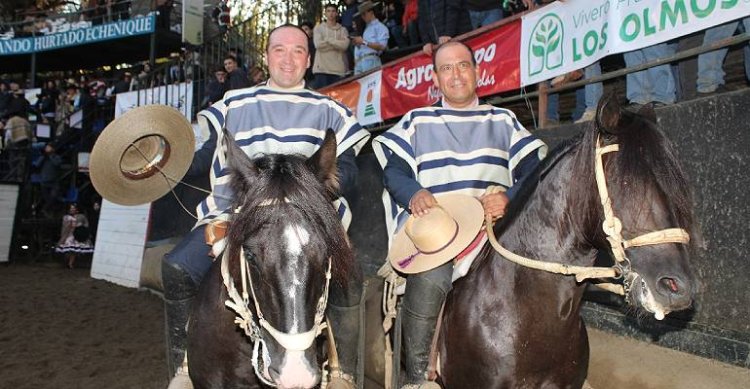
(347, 168)
(523, 170)
(399, 180)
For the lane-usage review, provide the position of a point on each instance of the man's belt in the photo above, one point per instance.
(366, 55)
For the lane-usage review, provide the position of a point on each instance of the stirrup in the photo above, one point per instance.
(340, 380)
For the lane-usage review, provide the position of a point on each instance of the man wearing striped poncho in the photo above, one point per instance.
(455, 146)
(278, 117)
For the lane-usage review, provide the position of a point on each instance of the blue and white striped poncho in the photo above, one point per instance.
(265, 120)
(455, 151)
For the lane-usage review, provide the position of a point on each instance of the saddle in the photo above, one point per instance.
(214, 236)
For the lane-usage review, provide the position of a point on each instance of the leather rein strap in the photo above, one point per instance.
(612, 228)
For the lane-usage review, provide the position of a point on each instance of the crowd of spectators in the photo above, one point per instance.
(34, 21)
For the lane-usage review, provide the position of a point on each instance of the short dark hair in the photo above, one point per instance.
(435, 52)
(298, 28)
(331, 5)
(233, 58)
(306, 23)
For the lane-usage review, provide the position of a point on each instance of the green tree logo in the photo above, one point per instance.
(545, 45)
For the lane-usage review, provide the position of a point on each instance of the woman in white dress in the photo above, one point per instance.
(75, 237)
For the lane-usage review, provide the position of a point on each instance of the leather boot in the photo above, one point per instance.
(425, 294)
(345, 323)
(179, 292)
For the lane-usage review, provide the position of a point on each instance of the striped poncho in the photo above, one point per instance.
(265, 120)
(455, 151)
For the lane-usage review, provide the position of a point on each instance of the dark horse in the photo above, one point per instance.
(287, 238)
(507, 326)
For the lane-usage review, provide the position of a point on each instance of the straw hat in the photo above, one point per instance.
(431, 240)
(364, 7)
(135, 152)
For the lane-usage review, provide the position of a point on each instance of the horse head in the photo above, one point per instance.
(650, 199)
(289, 237)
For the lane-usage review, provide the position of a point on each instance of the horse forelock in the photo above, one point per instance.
(648, 164)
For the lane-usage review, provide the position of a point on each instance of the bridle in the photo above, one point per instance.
(612, 227)
(251, 323)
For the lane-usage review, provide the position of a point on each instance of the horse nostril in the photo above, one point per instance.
(670, 286)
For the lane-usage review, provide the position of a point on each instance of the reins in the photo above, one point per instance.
(612, 227)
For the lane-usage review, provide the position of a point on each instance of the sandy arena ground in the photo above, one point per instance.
(62, 329)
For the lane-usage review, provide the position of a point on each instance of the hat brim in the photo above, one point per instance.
(135, 152)
(468, 213)
(366, 9)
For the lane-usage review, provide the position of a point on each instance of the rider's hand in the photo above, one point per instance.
(421, 202)
(494, 204)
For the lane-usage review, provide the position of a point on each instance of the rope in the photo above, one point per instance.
(169, 179)
(612, 227)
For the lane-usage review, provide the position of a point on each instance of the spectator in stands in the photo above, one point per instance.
(655, 85)
(18, 132)
(441, 20)
(220, 15)
(484, 12)
(216, 87)
(331, 43)
(307, 27)
(236, 78)
(46, 104)
(18, 104)
(409, 23)
(257, 76)
(710, 65)
(49, 176)
(591, 92)
(394, 12)
(372, 43)
(144, 79)
(124, 84)
(120, 9)
(347, 17)
(5, 97)
(96, 11)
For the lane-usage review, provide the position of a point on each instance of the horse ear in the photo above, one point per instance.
(239, 163)
(323, 163)
(608, 114)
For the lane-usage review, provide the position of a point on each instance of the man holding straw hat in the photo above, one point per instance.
(438, 161)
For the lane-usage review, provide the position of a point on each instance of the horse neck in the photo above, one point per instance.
(545, 230)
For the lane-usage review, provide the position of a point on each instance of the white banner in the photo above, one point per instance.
(563, 37)
(192, 21)
(179, 96)
(368, 105)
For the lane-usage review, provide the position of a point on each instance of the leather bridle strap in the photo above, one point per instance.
(612, 227)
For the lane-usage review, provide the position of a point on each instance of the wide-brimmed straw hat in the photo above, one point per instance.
(433, 239)
(364, 7)
(135, 152)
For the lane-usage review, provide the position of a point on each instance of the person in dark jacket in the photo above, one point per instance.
(236, 78)
(216, 87)
(441, 20)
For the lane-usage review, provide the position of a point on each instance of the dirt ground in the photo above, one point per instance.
(62, 329)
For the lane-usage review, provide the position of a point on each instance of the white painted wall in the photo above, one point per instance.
(8, 199)
(120, 241)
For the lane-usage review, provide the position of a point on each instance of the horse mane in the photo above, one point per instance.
(283, 188)
(646, 163)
